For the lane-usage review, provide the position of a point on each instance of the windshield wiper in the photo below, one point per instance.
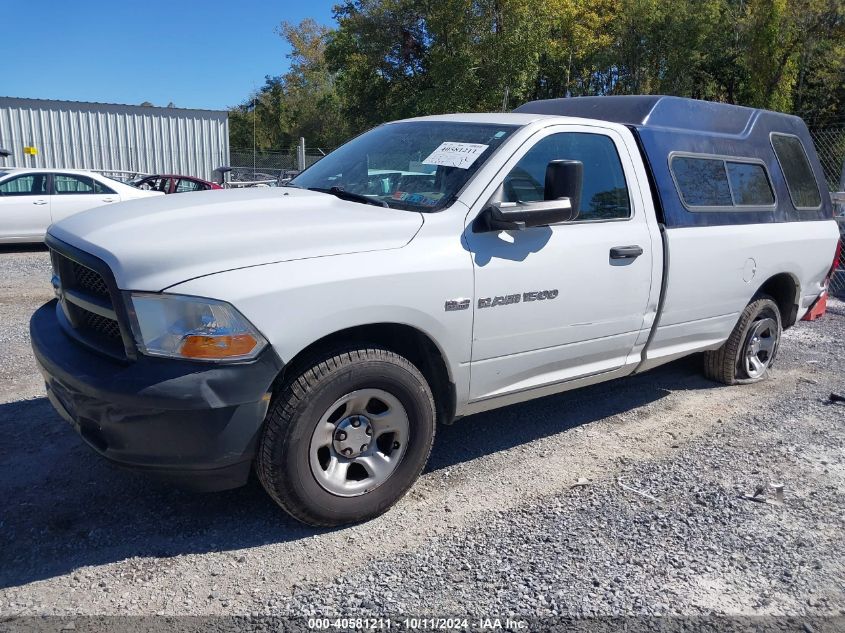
(350, 195)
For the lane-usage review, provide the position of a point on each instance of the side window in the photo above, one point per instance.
(71, 184)
(703, 182)
(101, 188)
(27, 185)
(800, 180)
(721, 183)
(156, 183)
(750, 184)
(185, 185)
(604, 195)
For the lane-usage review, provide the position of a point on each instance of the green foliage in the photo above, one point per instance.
(390, 59)
(303, 102)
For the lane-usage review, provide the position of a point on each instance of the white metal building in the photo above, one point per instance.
(105, 136)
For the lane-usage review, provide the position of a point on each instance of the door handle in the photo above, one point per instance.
(108, 199)
(625, 252)
(40, 202)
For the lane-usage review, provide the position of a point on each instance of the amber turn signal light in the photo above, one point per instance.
(222, 346)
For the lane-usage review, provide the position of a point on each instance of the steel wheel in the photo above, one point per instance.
(358, 442)
(760, 347)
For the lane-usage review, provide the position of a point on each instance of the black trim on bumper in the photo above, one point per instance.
(196, 424)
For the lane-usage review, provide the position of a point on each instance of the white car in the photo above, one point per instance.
(32, 199)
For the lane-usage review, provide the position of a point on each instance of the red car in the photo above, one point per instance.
(169, 183)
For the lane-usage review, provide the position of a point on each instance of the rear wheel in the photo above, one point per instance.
(347, 436)
(751, 348)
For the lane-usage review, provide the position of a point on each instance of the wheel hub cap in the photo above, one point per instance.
(353, 436)
(760, 348)
(359, 442)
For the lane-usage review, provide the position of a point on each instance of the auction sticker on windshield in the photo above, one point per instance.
(452, 154)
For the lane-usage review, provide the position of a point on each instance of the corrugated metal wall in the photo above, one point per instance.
(80, 135)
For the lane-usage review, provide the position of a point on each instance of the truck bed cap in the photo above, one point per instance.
(652, 111)
(666, 126)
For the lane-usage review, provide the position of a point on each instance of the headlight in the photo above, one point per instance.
(193, 328)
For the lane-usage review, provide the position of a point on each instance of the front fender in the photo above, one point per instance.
(297, 303)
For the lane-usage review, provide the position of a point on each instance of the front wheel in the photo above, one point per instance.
(751, 348)
(347, 437)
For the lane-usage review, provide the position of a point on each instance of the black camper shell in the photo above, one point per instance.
(709, 162)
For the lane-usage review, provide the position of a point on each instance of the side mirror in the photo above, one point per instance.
(562, 193)
(564, 179)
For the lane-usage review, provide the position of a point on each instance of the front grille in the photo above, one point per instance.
(89, 280)
(88, 305)
(101, 325)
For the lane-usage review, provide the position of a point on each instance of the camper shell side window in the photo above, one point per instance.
(800, 180)
(707, 182)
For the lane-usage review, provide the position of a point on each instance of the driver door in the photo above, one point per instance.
(555, 303)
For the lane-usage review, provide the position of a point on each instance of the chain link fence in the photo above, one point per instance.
(830, 146)
(262, 165)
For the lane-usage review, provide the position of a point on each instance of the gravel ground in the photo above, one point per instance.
(495, 526)
(24, 286)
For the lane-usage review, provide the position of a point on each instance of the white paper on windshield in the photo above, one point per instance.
(452, 154)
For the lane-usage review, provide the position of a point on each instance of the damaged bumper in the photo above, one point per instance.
(195, 424)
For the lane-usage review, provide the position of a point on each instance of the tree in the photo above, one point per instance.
(301, 102)
(390, 59)
(405, 58)
(311, 107)
(819, 94)
(570, 58)
(793, 48)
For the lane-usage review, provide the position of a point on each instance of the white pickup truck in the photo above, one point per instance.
(427, 270)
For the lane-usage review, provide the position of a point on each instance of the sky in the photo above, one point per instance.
(198, 54)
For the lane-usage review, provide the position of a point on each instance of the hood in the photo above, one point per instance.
(153, 243)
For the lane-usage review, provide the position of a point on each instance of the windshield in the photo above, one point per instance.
(414, 165)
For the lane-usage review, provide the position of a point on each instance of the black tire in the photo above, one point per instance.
(726, 364)
(283, 464)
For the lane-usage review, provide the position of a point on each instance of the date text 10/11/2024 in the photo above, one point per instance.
(418, 624)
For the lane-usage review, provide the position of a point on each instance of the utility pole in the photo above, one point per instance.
(300, 154)
(254, 126)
